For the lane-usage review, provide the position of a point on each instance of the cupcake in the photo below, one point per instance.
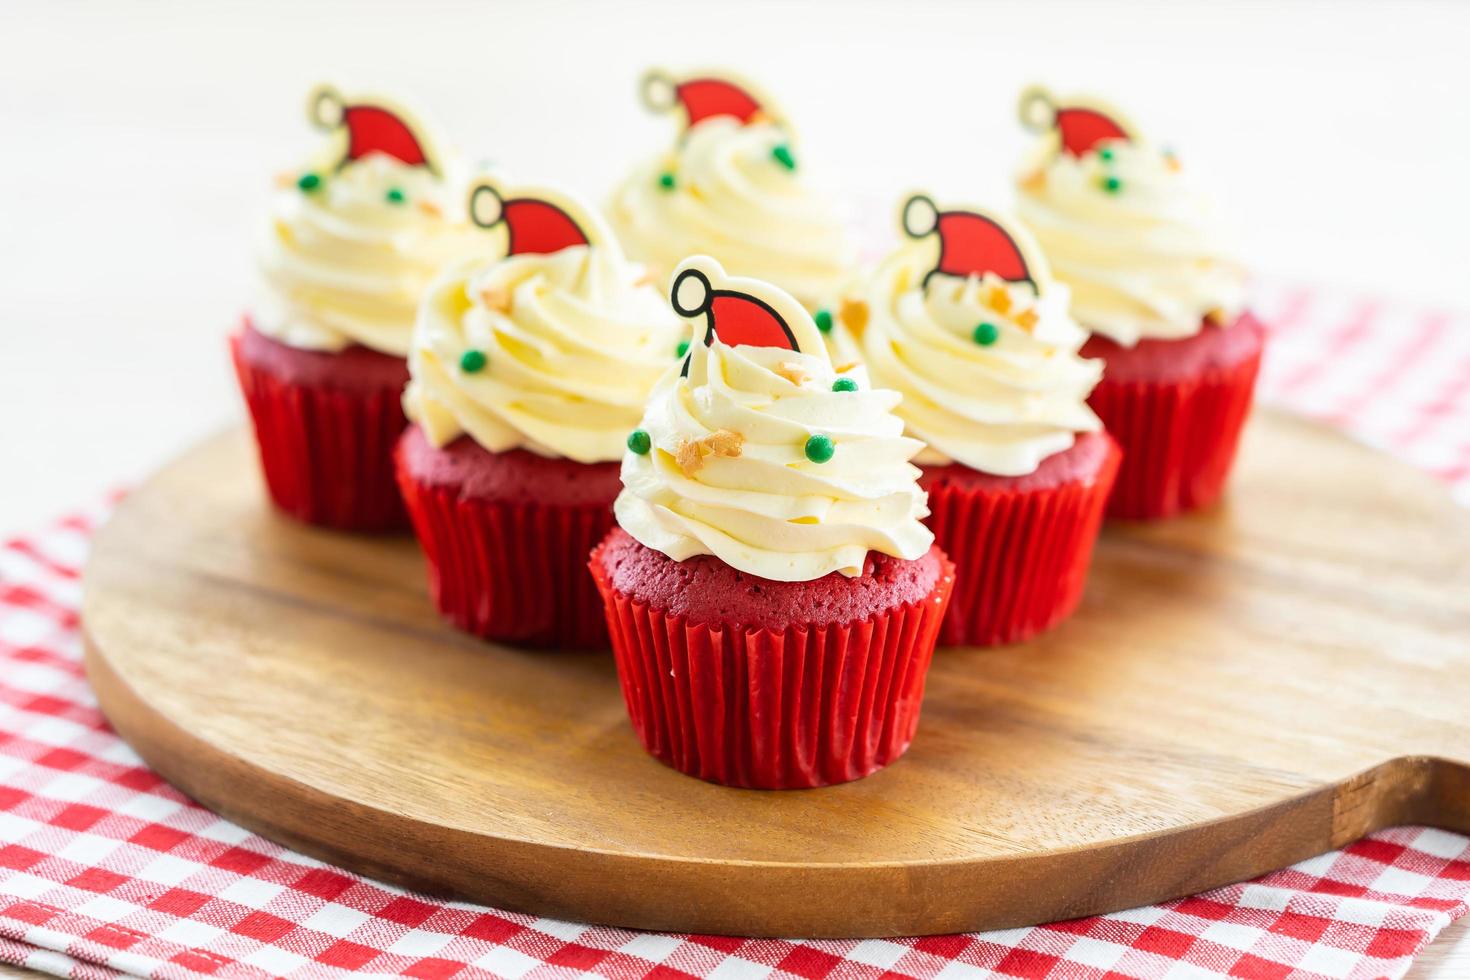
(966, 322)
(528, 373)
(772, 595)
(354, 238)
(1124, 227)
(733, 187)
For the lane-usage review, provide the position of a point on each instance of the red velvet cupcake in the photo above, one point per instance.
(772, 597)
(504, 534)
(1023, 544)
(352, 242)
(966, 322)
(528, 373)
(746, 681)
(325, 423)
(1137, 243)
(1178, 407)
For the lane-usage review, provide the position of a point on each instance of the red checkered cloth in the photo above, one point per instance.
(106, 870)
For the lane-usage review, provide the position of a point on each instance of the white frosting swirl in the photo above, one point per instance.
(1144, 261)
(573, 341)
(999, 408)
(343, 264)
(732, 199)
(767, 509)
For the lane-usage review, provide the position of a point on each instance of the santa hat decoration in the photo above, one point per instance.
(741, 311)
(704, 97)
(1081, 125)
(371, 126)
(973, 242)
(537, 222)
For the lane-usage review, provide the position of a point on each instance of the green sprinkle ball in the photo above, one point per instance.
(1112, 185)
(819, 448)
(844, 384)
(472, 361)
(682, 349)
(986, 334)
(666, 180)
(309, 181)
(1106, 153)
(395, 195)
(639, 442)
(824, 320)
(782, 154)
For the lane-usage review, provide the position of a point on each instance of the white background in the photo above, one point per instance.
(137, 142)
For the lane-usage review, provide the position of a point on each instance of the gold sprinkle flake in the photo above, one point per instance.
(1216, 316)
(430, 208)
(284, 179)
(1027, 320)
(689, 458)
(854, 314)
(1034, 181)
(647, 279)
(496, 299)
(693, 452)
(844, 368)
(998, 298)
(723, 442)
(792, 371)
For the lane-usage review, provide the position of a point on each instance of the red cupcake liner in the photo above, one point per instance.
(1021, 555)
(327, 453)
(797, 708)
(1179, 437)
(511, 571)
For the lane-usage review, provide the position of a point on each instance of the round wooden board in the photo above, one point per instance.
(1241, 689)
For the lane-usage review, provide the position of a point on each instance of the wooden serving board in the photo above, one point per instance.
(1240, 690)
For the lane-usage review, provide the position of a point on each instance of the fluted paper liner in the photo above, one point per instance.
(766, 709)
(1179, 438)
(327, 453)
(1021, 557)
(511, 571)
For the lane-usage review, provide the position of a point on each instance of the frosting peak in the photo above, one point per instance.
(355, 236)
(757, 451)
(733, 188)
(1122, 225)
(551, 351)
(970, 327)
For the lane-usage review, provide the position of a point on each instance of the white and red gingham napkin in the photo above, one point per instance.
(106, 870)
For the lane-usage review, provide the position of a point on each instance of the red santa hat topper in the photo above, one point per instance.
(537, 221)
(372, 125)
(742, 311)
(1082, 125)
(975, 243)
(706, 95)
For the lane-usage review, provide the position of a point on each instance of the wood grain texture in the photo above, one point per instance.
(1240, 690)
